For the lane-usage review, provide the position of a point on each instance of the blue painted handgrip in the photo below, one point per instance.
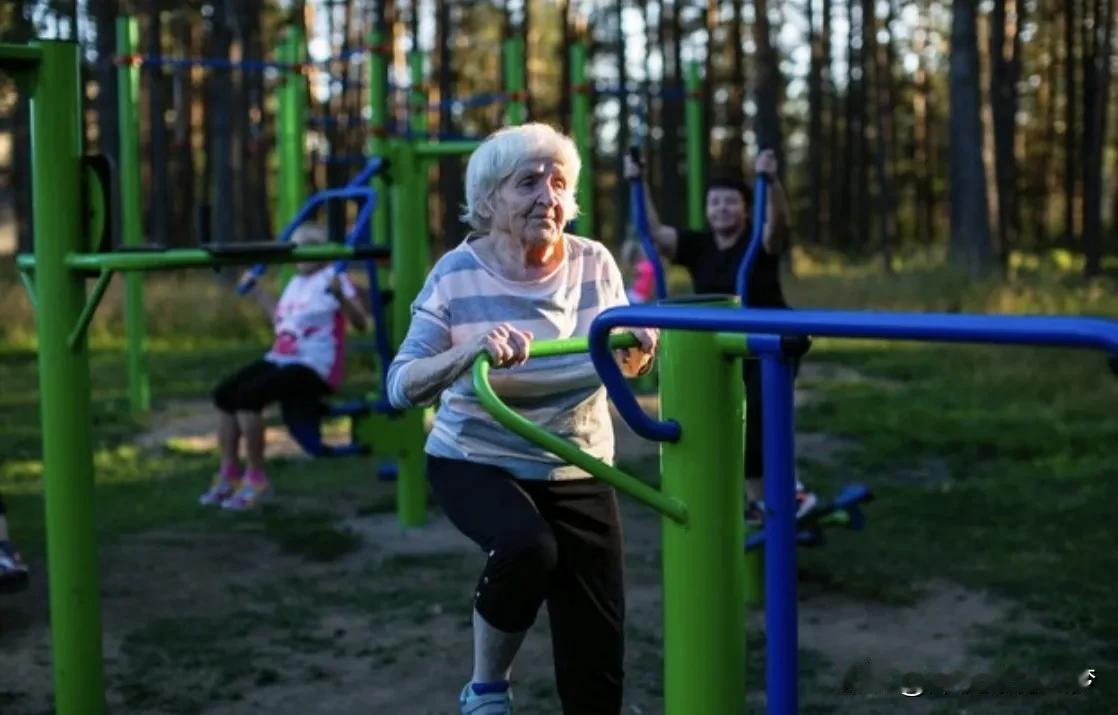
(756, 240)
(1068, 332)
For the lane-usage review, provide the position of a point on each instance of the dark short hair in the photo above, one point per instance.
(728, 179)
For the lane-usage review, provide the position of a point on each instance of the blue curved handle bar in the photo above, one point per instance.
(356, 189)
(1068, 332)
(756, 240)
(640, 220)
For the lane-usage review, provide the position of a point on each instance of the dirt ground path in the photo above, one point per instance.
(219, 624)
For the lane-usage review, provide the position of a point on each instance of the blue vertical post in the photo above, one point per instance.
(780, 533)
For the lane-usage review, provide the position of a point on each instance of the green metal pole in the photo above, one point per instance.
(694, 121)
(64, 385)
(515, 110)
(580, 127)
(292, 100)
(410, 258)
(128, 81)
(417, 97)
(292, 116)
(703, 562)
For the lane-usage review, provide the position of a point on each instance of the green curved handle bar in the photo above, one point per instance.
(564, 449)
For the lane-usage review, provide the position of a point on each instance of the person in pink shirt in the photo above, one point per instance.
(303, 365)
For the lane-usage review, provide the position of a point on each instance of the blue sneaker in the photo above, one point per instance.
(486, 699)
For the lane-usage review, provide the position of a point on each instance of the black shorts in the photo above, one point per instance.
(260, 383)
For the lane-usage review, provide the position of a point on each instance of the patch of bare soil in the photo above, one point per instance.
(228, 624)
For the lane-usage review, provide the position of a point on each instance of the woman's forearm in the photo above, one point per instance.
(421, 380)
(665, 237)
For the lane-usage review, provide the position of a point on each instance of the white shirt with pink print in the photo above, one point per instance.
(310, 327)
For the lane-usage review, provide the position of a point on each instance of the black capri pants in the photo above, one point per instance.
(557, 542)
(261, 383)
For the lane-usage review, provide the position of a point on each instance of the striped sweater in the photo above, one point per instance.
(462, 298)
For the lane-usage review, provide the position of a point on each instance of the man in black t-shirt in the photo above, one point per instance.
(712, 258)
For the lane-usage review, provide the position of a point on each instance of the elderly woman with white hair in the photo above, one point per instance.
(552, 534)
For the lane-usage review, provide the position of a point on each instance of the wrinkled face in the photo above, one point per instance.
(530, 204)
(726, 211)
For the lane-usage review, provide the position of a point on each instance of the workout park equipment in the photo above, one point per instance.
(702, 344)
(845, 508)
(395, 439)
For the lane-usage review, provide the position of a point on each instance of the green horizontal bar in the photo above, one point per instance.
(671, 508)
(19, 57)
(448, 148)
(732, 344)
(191, 258)
(90, 307)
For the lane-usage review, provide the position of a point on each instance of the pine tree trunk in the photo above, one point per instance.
(817, 42)
(450, 168)
(1071, 133)
(182, 210)
(878, 85)
(768, 85)
(969, 247)
(1098, 74)
(160, 196)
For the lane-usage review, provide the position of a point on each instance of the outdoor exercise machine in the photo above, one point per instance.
(704, 617)
(845, 508)
(701, 497)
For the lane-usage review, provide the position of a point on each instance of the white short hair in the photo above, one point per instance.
(497, 158)
(309, 233)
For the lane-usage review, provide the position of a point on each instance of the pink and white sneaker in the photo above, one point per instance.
(221, 489)
(250, 495)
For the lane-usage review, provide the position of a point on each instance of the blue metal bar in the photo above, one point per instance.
(756, 239)
(1078, 332)
(780, 535)
(360, 226)
(373, 165)
(664, 93)
(246, 65)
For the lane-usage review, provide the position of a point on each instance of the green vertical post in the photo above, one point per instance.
(291, 189)
(694, 122)
(417, 97)
(292, 101)
(131, 226)
(580, 128)
(410, 257)
(64, 384)
(515, 110)
(703, 562)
